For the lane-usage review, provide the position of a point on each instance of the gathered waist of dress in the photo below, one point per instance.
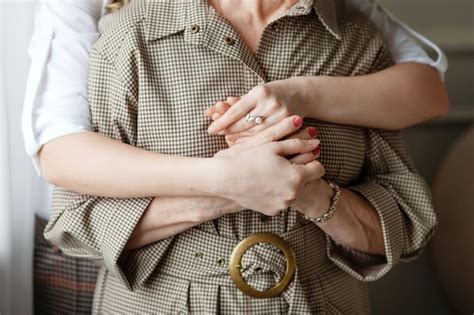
(202, 256)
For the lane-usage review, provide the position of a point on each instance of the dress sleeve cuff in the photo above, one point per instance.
(366, 267)
(120, 225)
(139, 264)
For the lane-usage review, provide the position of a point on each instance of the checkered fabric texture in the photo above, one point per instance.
(62, 284)
(152, 76)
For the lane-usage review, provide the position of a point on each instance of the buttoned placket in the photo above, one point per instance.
(208, 28)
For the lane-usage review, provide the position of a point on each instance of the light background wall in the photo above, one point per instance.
(18, 181)
(410, 288)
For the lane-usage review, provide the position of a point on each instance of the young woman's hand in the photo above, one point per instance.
(260, 177)
(272, 101)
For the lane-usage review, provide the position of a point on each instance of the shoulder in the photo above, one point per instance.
(368, 7)
(121, 30)
(360, 36)
(353, 22)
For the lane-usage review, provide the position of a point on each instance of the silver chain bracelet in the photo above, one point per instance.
(332, 207)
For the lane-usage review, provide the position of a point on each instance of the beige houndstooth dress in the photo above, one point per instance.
(157, 67)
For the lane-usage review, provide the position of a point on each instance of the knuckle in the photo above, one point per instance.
(271, 211)
(299, 142)
(281, 203)
(262, 91)
(322, 169)
(292, 195)
(300, 177)
(286, 204)
(269, 135)
(275, 104)
(198, 216)
(297, 177)
(286, 112)
(275, 212)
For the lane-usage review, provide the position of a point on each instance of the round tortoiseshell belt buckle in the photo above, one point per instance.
(241, 248)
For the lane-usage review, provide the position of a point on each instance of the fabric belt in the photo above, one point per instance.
(202, 256)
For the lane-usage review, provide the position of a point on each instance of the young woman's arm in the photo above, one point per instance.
(414, 84)
(167, 216)
(400, 38)
(56, 93)
(408, 93)
(395, 98)
(56, 120)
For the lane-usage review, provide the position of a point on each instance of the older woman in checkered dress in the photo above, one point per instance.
(154, 73)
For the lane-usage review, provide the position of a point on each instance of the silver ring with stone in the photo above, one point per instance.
(256, 119)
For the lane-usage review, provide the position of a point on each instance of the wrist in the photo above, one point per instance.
(325, 195)
(315, 97)
(220, 175)
(293, 92)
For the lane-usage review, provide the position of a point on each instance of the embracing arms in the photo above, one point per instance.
(55, 124)
(395, 98)
(367, 100)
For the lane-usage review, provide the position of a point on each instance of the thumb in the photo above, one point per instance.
(312, 171)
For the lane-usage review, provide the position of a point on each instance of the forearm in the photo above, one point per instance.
(91, 163)
(394, 98)
(355, 223)
(168, 216)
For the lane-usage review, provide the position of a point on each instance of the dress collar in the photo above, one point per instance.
(166, 17)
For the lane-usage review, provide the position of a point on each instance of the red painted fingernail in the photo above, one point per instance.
(313, 132)
(316, 151)
(297, 122)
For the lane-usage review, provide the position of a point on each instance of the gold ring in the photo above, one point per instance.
(246, 243)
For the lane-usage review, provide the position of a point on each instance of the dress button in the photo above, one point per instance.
(198, 255)
(195, 28)
(221, 261)
(229, 41)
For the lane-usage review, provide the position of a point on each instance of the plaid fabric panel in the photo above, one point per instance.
(151, 78)
(62, 284)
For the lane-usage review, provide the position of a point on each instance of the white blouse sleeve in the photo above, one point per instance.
(56, 93)
(399, 37)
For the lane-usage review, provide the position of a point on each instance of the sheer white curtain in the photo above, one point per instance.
(20, 188)
(5, 248)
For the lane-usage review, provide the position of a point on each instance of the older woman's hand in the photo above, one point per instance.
(288, 128)
(274, 101)
(314, 199)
